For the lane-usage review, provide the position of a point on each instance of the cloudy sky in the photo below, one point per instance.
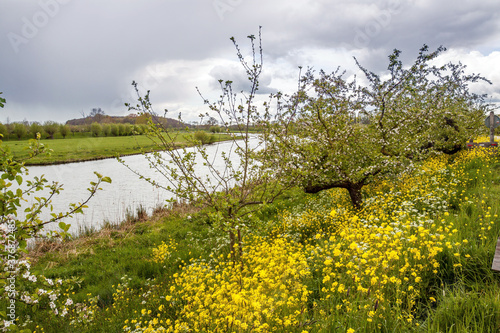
(61, 58)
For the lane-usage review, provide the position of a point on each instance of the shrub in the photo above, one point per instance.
(95, 129)
(203, 137)
(122, 129)
(20, 130)
(106, 129)
(64, 130)
(137, 129)
(3, 130)
(74, 129)
(35, 128)
(115, 131)
(215, 129)
(129, 129)
(50, 127)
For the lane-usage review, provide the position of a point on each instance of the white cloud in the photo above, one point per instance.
(478, 63)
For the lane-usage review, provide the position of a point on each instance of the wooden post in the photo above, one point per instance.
(492, 127)
(496, 259)
(471, 144)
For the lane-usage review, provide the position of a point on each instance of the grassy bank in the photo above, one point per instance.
(76, 149)
(416, 258)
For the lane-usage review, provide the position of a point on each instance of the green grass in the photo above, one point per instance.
(456, 300)
(466, 311)
(101, 258)
(76, 149)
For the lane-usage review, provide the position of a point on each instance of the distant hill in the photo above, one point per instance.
(129, 119)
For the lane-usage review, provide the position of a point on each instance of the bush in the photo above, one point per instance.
(20, 130)
(106, 129)
(75, 129)
(138, 129)
(35, 127)
(215, 129)
(50, 127)
(122, 129)
(3, 130)
(129, 129)
(203, 137)
(95, 129)
(64, 130)
(115, 131)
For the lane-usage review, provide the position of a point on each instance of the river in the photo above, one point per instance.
(126, 192)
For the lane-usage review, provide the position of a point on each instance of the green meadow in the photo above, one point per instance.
(77, 149)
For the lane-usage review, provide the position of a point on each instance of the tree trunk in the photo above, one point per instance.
(231, 246)
(354, 190)
(240, 244)
(355, 194)
(235, 242)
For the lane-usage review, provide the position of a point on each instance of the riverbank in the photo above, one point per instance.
(81, 149)
(417, 258)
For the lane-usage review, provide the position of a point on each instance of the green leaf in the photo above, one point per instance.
(62, 225)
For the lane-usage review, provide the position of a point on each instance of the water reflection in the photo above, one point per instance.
(126, 192)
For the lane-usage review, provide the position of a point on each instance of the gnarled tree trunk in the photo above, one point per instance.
(354, 190)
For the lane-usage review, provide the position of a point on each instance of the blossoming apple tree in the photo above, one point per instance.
(413, 112)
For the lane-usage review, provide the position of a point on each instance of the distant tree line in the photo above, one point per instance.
(51, 129)
(97, 123)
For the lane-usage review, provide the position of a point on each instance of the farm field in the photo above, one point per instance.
(416, 258)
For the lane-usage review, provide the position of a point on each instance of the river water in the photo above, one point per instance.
(126, 192)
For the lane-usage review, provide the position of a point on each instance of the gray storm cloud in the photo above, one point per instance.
(59, 57)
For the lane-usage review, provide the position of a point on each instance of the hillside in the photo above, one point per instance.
(133, 119)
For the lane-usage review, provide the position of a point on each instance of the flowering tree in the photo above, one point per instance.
(16, 231)
(424, 109)
(232, 191)
(415, 112)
